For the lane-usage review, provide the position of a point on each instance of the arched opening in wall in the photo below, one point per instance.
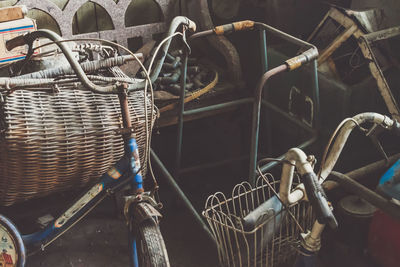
(44, 20)
(141, 12)
(6, 3)
(91, 17)
(60, 3)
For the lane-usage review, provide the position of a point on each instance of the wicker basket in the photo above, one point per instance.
(55, 142)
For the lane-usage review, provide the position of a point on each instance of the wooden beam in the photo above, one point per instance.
(336, 44)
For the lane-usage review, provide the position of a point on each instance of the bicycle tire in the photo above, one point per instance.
(11, 232)
(150, 245)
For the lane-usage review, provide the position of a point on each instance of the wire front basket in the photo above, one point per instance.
(274, 242)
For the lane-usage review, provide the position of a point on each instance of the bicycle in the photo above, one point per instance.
(262, 226)
(141, 210)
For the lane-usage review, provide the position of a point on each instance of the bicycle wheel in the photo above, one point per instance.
(150, 246)
(12, 249)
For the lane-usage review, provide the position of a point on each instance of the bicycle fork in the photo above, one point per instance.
(139, 206)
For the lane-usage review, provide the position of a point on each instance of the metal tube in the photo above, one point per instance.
(270, 165)
(375, 199)
(364, 171)
(343, 134)
(219, 106)
(201, 34)
(263, 47)
(180, 193)
(256, 119)
(264, 63)
(109, 89)
(176, 22)
(179, 136)
(284, 35)
(315, 93)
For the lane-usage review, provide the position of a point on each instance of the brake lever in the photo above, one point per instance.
(373, 133)
(188, 49)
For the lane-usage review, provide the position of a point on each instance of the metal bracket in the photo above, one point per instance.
(145, 207)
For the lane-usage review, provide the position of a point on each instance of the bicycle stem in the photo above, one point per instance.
(131, 148)
(298, 159)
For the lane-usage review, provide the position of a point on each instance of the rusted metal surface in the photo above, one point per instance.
(198, 9)
(117, 12)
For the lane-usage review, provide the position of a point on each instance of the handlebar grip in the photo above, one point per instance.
(302, 59)
(266, 211)
(318, 200)
(15, 42)
(234, 27)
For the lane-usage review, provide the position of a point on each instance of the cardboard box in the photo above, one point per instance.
(11, 29)
(12, 13)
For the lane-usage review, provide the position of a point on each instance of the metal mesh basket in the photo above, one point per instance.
(271, 243)
(52, 142)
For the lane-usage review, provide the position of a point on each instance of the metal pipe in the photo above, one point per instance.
(32, 36)
(386, 205)
(264, 57)
(176, 22)
(180, 194)
(179, 136)
(219, 106)
(284, 35)
(315, 93)
(89, 66)
(364, 171)
(256, 118)
(264, 65)
(341, 138)
(270, 165)
(201, 34)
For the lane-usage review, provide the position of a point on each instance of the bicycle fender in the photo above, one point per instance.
(144, 211)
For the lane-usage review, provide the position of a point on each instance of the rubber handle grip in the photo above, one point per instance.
(302, 59)
(266, 211)
(234, 27)
(15, 42)
(318, 200)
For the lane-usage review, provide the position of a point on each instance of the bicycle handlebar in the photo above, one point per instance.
(337, 147)
(317, 197)
(15, 42)
(303, 58)
(29, 38)
(296, 158)
(234, 27)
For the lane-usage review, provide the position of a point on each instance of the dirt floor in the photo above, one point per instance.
(101, 240)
